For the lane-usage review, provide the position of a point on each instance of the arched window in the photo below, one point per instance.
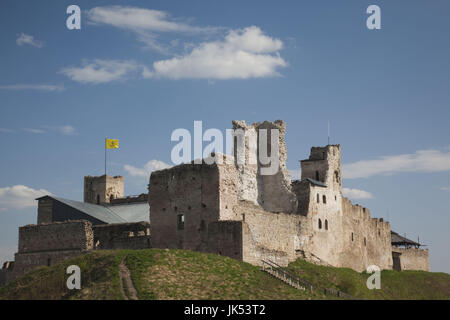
(318, 198)
(98, 199)
(320, 224)
(317, 175)
(326, 224)
(324, 199)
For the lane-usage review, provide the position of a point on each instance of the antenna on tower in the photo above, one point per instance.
(328, 132)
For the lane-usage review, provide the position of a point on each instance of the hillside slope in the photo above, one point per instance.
(178, 274)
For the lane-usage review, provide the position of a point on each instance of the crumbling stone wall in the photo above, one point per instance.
(122, 236)
(47, 244)
(412, 258)
(271, 192)
(70, 235)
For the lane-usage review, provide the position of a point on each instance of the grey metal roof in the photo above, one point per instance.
(132, 212)
(119, 213)
(317, 183)
(397, 239)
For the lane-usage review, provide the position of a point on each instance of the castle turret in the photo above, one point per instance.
(324, 165)
(103, 189)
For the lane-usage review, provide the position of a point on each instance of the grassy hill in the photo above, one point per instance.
(178, 274)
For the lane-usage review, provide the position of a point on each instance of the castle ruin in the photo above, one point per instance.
(231, 209)
(228, 208)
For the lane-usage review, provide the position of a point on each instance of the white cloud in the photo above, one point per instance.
(19, 197)
(445, 189)
(145, 23)
(25, 39)
(5, 130)
(66, 130)
(243, 54)
(139, 19)
(39, 87)
(101, 71)
(420, 161)
(356, 193)
(149, 167)
(35, 131)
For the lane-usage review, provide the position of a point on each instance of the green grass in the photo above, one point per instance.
(179, 274)
(396, 285)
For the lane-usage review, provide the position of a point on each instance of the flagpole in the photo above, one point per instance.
(105, 155)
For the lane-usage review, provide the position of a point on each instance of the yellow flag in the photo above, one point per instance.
(112, 144)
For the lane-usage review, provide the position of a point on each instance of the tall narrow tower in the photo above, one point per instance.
(102, 189)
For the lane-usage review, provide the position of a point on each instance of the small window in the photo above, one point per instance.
(317, 175)
(365, 242)
(324, 198)
(326, 224)
(98, 199)
(320, 224)
(49, 262)
(335, 198)
(352, 237)
(202, 225)
(318, 198)
(180, 222)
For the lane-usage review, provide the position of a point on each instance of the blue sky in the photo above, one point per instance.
(136, 71)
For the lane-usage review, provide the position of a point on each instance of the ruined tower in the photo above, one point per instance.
(324, 165)
(102, 189)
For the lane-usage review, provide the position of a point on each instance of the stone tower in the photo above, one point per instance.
(324, 165)
(101, 190)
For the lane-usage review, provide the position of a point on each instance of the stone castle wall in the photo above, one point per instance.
(366, 240)
(71, 235)
(183, 201)
(271, 191)
(47, 244)
(412, 258)
(122, 236)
